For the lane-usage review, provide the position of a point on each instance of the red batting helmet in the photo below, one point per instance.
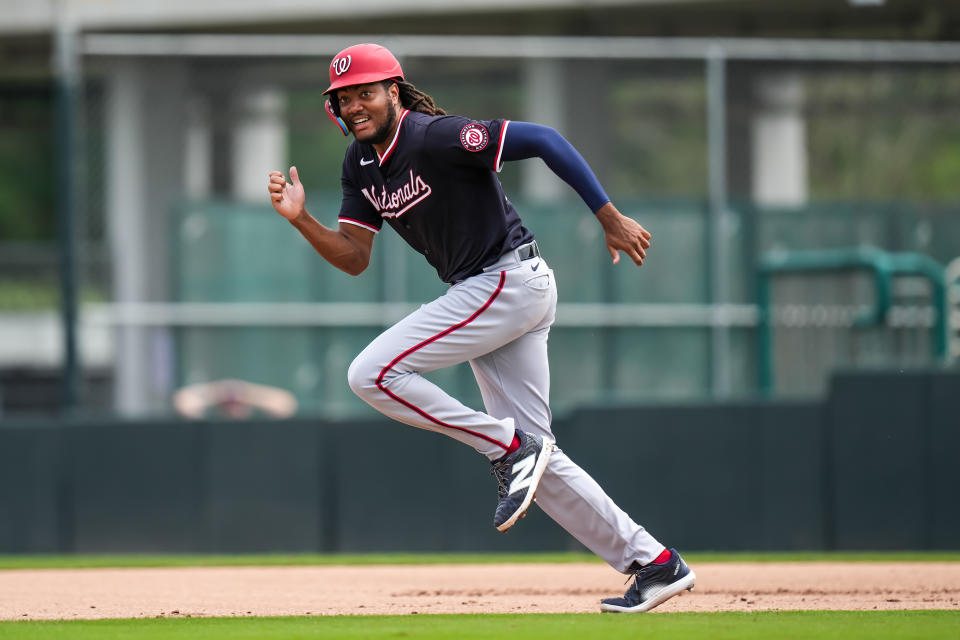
(361, 64)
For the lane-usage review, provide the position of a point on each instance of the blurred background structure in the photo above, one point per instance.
(797, 163)
(138, 253)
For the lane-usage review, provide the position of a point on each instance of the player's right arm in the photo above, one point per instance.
(347, 248)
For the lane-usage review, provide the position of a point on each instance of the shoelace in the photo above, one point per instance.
(636, 575)
(503, 479)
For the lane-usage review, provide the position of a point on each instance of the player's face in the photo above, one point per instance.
(370, 111)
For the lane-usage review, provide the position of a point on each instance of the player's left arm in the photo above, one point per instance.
(527, 140)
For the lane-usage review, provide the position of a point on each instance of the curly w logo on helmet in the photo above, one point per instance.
(340, 65)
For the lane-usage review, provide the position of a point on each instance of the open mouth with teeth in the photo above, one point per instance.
(360, 123)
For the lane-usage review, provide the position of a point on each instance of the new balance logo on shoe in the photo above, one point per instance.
(518, 475)
(522, 474)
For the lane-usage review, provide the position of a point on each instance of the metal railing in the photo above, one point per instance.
(953, 315)
(883, 268)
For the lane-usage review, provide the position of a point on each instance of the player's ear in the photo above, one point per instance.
(394, 92)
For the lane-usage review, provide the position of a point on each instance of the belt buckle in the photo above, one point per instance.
(528, 251)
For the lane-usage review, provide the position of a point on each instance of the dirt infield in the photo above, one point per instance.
(541, 588)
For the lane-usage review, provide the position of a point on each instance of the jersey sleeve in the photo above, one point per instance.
(528, 140)
(356, 207)
(466, 142)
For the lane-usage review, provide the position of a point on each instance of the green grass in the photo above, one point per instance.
(88, 561)
(823, 625)
(23, 295)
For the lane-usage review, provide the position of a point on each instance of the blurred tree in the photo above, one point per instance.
(27, 198)
(885, 134)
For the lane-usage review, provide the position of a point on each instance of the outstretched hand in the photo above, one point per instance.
(623, 234)
(288, 199)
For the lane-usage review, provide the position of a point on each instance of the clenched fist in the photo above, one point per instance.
(288, 199)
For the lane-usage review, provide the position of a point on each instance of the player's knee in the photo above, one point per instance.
(362, 376)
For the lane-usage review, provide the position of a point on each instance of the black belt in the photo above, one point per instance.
(528, 251)
(524, 252)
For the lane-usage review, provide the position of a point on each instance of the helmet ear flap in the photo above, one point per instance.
(333, 112)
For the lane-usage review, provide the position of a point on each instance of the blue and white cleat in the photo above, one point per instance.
(518, 475)
(653, 584)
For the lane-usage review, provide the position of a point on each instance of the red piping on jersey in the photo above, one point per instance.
(498, 162)
(380, 385)
(365, 225)
(396, 136)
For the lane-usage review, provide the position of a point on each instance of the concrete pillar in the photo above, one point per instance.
(198, 154)
(589, 113)
(144, 179)
(572, 96)
(259, 141)
(778, 134)
(543, 104)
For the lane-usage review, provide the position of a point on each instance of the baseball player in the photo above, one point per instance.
(433, 178)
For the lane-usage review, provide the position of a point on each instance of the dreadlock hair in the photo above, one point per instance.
(415, 100)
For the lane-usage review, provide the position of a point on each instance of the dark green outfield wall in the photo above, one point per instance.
(871, 467)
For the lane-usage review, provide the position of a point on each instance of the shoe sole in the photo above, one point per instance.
(538, 469)
(683, 584)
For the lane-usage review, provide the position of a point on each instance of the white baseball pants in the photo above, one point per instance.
(498, 321)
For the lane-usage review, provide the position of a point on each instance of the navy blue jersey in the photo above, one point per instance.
(436, 185)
